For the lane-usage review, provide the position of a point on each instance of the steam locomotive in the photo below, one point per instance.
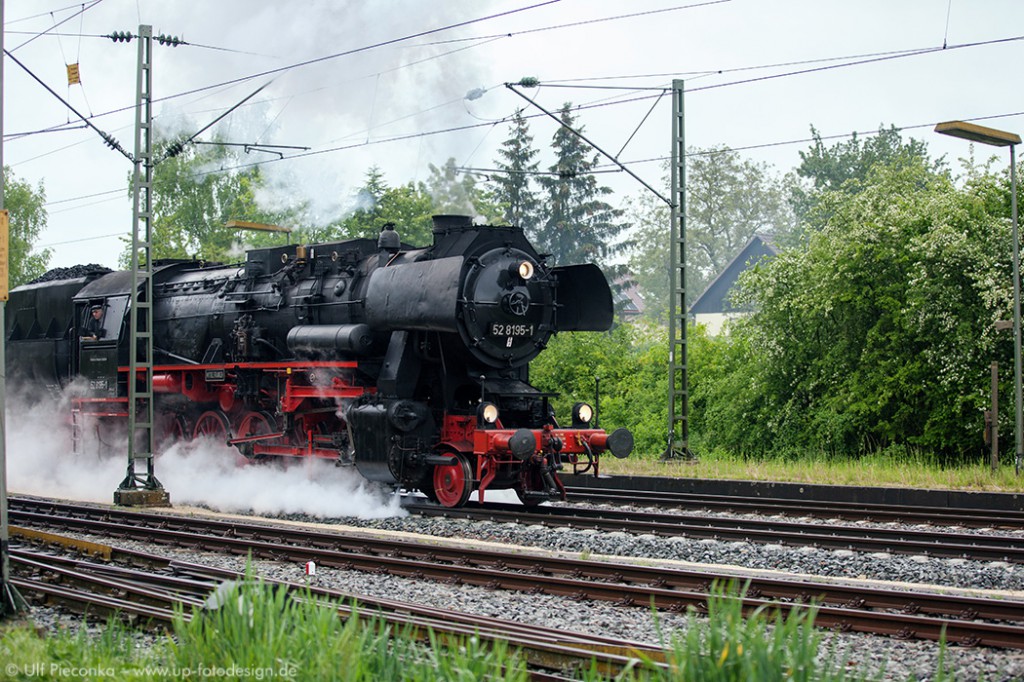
(412, 364)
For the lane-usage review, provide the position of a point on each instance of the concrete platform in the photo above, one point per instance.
(914, 497)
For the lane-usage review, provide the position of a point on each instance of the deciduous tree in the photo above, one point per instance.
(880, 331)
(195, 193)
(844, 167)
(408, 206)
(728, 200)
(456, 193)
(27, 218)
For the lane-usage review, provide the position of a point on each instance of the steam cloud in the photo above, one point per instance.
(40, 462)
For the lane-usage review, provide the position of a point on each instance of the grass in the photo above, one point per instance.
(764, 645)
(880, 469)
(261, 633)
(258, 633)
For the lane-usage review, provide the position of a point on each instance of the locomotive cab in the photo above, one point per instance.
(97, 347)
(101, 335)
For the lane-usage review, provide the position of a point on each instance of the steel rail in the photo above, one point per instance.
(548, 648)
(971, 518)
(624, 584)
(901, 541)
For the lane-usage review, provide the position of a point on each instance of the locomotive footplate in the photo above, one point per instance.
(539, 454)
(560, 441)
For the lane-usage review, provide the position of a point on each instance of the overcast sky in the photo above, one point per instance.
(404, 68)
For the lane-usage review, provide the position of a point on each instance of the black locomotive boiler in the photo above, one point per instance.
(412, 364)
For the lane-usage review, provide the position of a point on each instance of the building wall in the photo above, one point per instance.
(716, 323)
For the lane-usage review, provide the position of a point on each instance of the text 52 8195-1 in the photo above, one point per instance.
(502, 329)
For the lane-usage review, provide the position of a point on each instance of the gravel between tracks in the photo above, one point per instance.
(989, 575)
(867, 654)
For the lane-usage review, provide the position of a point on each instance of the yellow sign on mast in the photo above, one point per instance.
(4, 252)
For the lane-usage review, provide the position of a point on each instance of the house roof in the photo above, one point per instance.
(715, 298)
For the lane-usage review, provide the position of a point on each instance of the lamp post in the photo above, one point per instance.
(1001, 138)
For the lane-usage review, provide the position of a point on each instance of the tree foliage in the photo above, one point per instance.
(512, 186)
(456, 193)
(27, 218)
(880, 331)
(630, 362)
(578, 226)
(649, 254)
(729, 200)
(194, 194)
(845, 167)
(408, 206)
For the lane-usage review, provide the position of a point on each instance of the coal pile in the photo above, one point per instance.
(75, 271)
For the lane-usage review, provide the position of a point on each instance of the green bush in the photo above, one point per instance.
(631, 361)
(875, 333)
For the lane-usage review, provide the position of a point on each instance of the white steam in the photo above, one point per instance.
(40, 462)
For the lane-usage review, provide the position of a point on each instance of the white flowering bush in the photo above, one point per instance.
(878, 331)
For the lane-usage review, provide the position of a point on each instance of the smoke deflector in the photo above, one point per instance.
(584, 299)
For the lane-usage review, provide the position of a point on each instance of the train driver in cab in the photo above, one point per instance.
(93, 329)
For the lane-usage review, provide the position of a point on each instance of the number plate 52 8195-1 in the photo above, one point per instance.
(503, 329)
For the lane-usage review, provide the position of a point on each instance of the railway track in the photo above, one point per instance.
(903, 540)
(848, 511)
(967, 620)
(145, 589)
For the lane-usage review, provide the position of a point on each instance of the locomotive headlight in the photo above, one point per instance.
(525, 270)
(487, 413)
(582, 413)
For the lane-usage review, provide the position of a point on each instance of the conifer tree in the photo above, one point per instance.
(512, 188)
(579, 226)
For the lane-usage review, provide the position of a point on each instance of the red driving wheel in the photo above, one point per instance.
(174, 428)
(453, 482)
(212, 424)
(255, 424)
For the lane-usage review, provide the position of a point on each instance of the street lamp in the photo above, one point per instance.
(1001, 138)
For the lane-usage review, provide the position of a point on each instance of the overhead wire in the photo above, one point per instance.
(945, 33)
(804, 140)
(106, 36)
(82, 10)
(357, 50)
(7, 22)
(55, 202)
(639, 98)
(775, 76)
(868, 57)
(586, 22)
(871, 57)
(575, 82)
(107, 138)
(317, 60)
(177, 147)
(599, 169)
